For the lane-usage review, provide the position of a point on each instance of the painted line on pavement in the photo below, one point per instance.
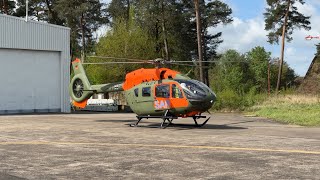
(162, 146)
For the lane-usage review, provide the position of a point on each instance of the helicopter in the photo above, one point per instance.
(151, 93)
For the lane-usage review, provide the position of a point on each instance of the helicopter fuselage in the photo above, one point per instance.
(155, 97)
(153, 91)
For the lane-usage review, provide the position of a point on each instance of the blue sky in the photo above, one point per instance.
(247, 31)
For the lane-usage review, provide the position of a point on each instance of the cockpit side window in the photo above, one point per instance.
(163, 91)
(176, 92)
(136, 92)
(146, 91)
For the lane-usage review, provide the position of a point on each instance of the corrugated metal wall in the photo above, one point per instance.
(16, 33)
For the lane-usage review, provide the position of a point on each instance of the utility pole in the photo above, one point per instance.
(269, 77)
(164, 31)
(83, 38)
(27, 10)
(196, 4)
(284, 27)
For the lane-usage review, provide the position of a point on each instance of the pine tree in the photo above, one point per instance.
(7, 6)
(39, 10)
(215, 13)
(84, 17)
(281, 18)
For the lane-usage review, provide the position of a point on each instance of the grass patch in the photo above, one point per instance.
(292, 109)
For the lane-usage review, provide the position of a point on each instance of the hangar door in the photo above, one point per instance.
(29, 81)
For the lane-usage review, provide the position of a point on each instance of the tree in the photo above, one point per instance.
(287, 77)
(281, 18)
(176, 38)
(258, 65)
(119, 9)
(231, 72)
(84, 19)
(39, 10)
(124, 40)
(199, 39)
(7, 6)
(213, 13)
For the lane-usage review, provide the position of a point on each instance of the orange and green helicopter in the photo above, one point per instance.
(151, 93)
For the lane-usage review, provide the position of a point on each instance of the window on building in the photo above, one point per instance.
(176, 92)
(163, 91)
(136, 92)
(146, 91)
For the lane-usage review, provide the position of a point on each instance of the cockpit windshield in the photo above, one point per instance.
(193, 89)
(205, 87)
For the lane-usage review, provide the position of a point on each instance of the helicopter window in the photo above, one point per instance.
(192, 88)
(146, 91)
(163, 91)
(176, 92)
(136, 92)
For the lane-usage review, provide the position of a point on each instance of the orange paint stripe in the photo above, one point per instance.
(82, 104)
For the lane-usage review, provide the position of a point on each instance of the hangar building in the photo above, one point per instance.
(34, 66)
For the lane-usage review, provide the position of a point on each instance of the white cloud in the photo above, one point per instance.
(241, 35)
(307, 9)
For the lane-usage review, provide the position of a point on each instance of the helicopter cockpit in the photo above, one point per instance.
(194, 89)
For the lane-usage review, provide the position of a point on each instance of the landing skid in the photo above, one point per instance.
(167, 120)
(198, 117)
(166, 117)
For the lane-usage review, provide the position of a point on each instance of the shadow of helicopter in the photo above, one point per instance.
(174, 125)
(116, 121)
(192, 126)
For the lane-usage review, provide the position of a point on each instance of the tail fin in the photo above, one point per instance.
(80, 89)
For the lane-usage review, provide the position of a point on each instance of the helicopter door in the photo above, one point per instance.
(177, 99)
(169, 96)
(162, 97)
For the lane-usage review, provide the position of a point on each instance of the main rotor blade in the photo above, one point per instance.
(202, 61)
(116, 58)
(189, 65)
(105, 63)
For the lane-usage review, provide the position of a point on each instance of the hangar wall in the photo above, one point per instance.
(33, 36)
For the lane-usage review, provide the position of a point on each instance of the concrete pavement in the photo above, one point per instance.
(103, 146)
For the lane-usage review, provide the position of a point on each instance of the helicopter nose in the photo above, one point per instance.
(212, 99)
(209, 101)
(205, 103)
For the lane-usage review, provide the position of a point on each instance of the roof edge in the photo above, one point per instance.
(35, 22)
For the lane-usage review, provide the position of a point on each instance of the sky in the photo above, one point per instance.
(247, 31)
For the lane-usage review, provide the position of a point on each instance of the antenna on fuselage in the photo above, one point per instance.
(158, 62)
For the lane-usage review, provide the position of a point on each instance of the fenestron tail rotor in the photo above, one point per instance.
(78, 88)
